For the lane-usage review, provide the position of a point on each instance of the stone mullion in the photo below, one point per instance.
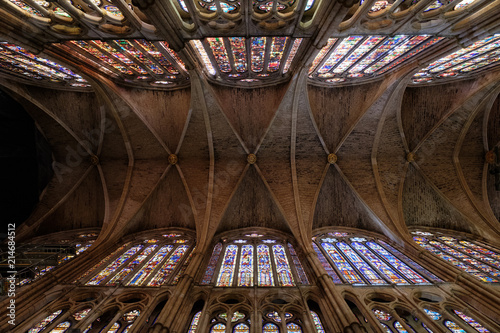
(57, 321)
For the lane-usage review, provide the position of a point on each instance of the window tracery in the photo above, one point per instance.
(345, 59)
(362, 261)
(480, 261)
(249, 261)
(241, 59)
(151, 263)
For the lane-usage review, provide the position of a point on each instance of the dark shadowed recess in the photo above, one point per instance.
(26, 163)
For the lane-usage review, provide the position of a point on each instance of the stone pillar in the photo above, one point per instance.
(342, 315)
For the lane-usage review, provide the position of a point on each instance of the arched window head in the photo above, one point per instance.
(270, 328)
(481, 261)
(218, 328)
(152, 262)
(45, 322)
(293, 328)
(254, 261)
(356, 260)
(241, 328)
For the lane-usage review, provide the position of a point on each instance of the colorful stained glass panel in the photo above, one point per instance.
(385, 269)
(45, 322)
(167, 268)
(245, 273)
(265, 273)
(283, 270)
(400, 266)
(360, 264)
(226, 273)
(258, 46)
(194, 322)
(317, 322)
(102, 275)
(453, 327)
(342, 265)
(125, 271)
(61, 328)
(276, 53)
(469, 320)
(141, 276)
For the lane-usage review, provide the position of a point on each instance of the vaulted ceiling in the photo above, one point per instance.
(383, 154)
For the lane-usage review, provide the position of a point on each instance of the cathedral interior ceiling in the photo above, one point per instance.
(135, 158)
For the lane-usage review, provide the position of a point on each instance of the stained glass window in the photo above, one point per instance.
(142, 265)
(329, 270)
(317, 323)
(270, 328)
(433, 314)
(195, 322)
(247, 60)
(399, 327)
(245, 275)
(61, 328)
(148, 268)
(360, 260)
(382, 315)
(388, 272)
(102, 275)
(293, 328)
(114, 328)
(477, 56)
(366, 56)
(283, 269)
(226, 274)
(168, 267)
(18, 61)
(241, 328)
(218, 328)
(125, 271)
(342, 265)
(467, 256)
(45, 322)
(469, 320)
(265, 277)
(81, 314)
(453, 327)
(272, 264)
